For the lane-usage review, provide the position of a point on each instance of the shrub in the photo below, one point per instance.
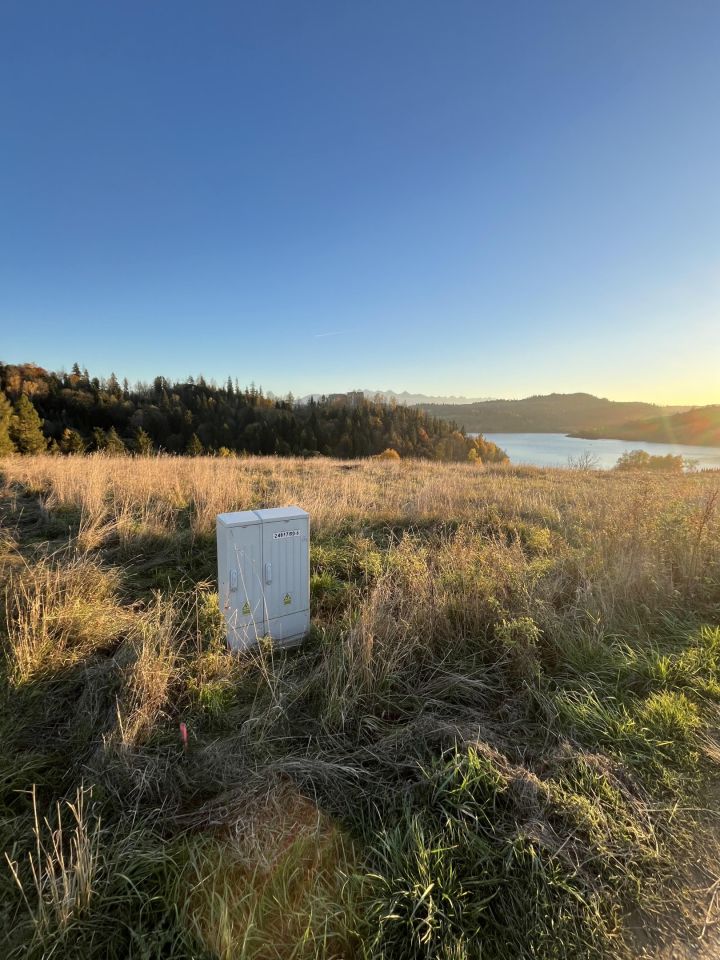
(642, 460)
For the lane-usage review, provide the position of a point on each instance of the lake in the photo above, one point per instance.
(554, 449)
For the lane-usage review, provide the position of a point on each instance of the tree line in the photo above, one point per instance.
(73, 413)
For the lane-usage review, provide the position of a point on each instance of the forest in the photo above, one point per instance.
(73, 413)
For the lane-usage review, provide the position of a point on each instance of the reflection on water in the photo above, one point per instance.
(556, 450)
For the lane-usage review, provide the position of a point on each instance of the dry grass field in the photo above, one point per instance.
(499, 740)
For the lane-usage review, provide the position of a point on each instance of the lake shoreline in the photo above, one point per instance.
(697, 442)
(564, 449)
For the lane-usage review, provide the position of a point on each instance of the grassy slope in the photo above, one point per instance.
(499, 741)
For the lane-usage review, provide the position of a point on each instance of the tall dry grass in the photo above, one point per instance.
(624, 519)
(58, 610)
(64, 865)
(511, 685)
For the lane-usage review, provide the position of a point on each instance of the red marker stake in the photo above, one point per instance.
(184, 736)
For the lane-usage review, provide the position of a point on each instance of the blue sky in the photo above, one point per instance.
(493, 199)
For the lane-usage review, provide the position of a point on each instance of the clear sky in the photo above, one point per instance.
(493, 199)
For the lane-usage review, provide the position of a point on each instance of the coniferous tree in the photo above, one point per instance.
(26, 428)
(195, 447)
(99, 440)
(113, 443)
(144, 443)
(72, 442)
(6, 444)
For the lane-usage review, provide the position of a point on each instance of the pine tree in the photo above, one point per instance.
(72, 442)
(144, 443)
(113, 443)
(26, 428)
(6, 444)
(195, 447)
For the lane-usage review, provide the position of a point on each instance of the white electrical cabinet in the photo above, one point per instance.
(264, 574)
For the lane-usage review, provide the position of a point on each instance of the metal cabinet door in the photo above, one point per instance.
(245, 613)
(286, 567)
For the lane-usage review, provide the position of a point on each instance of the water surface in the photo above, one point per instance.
(556, 449)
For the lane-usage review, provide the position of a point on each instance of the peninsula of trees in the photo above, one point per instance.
(698, 427)
(72, 413)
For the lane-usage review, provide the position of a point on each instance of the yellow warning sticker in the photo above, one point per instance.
(287, 599)
(246, 608)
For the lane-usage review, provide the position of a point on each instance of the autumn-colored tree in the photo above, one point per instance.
(6, 444)
(486, 451)
(26, 428)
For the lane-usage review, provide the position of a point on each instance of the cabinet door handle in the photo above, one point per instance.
(268, 572)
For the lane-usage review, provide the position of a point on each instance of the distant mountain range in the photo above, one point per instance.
(408, 399)
(579, 413)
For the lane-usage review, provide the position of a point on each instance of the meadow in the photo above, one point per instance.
(498, 741)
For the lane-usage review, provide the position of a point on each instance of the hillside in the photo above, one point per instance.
(700, 427)
(78, 413)
(553, 413)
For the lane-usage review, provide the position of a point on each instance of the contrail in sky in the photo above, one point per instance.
(335, 333)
